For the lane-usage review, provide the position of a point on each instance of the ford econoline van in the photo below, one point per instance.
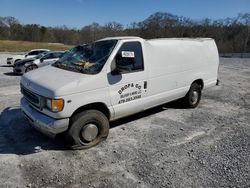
(94, 84)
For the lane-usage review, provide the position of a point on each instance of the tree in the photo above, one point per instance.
(245, 20)
(230, 34)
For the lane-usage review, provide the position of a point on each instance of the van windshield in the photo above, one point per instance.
(87, 59)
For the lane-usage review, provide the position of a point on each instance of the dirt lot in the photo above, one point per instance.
(164, 147)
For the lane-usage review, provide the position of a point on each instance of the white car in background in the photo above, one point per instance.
(28, 64)
(30, 54)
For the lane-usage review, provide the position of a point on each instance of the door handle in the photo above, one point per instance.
(145, 85)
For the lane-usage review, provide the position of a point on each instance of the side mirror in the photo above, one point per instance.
(41, 60)
(124, 61)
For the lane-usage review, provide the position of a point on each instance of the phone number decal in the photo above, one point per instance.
(129, 96)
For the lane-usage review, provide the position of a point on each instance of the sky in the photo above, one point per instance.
(78, 13)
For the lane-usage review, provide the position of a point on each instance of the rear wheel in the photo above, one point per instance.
(192, 98)
(87, 129)
(30, 68)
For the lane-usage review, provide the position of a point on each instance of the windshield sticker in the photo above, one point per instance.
(126, 96)
(128, 54)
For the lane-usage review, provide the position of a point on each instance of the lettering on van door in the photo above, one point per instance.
(129, 92)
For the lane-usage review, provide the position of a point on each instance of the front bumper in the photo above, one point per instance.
(17, 71)
(45, 124)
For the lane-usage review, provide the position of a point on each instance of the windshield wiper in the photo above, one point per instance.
(74, 67)
(80, 69)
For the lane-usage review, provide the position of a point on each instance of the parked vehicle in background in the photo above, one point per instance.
(113, 78)
(30, 54)
(45, 58)
(19, 66)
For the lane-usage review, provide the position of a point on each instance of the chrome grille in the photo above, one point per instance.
(31, 97)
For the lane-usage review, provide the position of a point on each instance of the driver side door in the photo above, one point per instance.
(128, 89)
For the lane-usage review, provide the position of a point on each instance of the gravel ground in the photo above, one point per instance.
(164, 147)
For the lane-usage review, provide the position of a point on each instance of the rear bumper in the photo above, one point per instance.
(45, 124)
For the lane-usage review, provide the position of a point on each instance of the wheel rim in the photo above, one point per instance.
(194, 97)
(89, 132)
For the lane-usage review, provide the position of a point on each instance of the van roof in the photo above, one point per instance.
(120, 38)
(156, 39)
(184, 39)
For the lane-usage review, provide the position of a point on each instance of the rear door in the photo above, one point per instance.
(128, 89)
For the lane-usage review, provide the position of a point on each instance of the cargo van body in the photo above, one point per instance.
(131, 75)
(176, 64)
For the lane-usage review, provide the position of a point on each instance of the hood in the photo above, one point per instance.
(53, 82)
(23, 61)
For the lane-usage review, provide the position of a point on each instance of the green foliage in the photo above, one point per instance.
(231, 34)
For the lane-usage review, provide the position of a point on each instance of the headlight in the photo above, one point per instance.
(55, 105)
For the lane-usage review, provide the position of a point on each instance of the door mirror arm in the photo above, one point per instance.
(116, 72)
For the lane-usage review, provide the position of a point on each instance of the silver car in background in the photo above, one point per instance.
(30, 54)
(46, 58)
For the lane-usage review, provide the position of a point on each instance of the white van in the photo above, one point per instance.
(92, 85)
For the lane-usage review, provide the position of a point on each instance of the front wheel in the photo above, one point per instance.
(87, 129)
(30, 68)
(193, 97)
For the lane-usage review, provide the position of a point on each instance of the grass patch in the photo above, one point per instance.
(23, 46)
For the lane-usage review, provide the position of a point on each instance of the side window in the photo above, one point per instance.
(52, 56)
(41, 51)
(48, 56)
(34, 53)
(58, 55)
(131, 56)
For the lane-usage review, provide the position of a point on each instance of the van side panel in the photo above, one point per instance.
(201, 62)
(174, 64)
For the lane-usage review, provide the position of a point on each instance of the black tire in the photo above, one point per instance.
(81, 122)
(193, 97)
(30, 68)
(16, 60)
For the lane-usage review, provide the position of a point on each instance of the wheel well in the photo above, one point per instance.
(200, 82)
(94, 106)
